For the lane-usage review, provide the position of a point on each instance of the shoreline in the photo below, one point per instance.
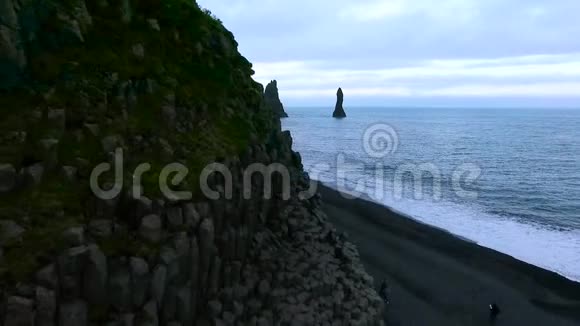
(399, 213)
(395, 244)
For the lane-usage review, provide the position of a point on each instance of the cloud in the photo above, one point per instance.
(409, 48)
(542, 90)
(541, 75)
(270, 30)
(373, 11)
(355, 92)
(569, 89)
(510, 67)
(454, 11)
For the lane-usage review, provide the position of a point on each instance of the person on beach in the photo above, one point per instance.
(494, 311)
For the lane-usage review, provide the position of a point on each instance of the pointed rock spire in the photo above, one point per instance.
(272, 99)
(338, 110)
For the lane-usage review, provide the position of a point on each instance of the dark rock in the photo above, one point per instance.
(203, 209)
(12, 57)
(194, 276)
(75, 22)
(25, 290)
(33, 174)
(7, 177)
(206, 245)
(19, 312)
(168, 256)
(74, 236)
(169, 115)
(190, 215)
(238, 309)
(126, 11)
(119, 285)
(264, 288)
(254, 306)
(174, 217)
(338, 110)
(138, 51)
(73, 313)
(169, 305)
(148, 316)
(272, 99)
(95, 277)
(69, 173)
(154, 24)
(166, 151)
(110, 143)
(104, 208)
(150, 228)
(70, 266)
(139, 280)
(158, 284)
(214, 308)
(45, 306)
(214, 276)
(158, 206)
(49, 151)
(92, 129)
(181, 243)
(143, 207)
(84, 166)
(100, 228)
(47, 277)
(229, 318)
(9, 231)
(57, 118)
(236, 271)
(127, 319)
(183, 305)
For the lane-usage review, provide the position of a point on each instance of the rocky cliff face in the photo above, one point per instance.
(338, 110)
(163, 82)
(272, 99)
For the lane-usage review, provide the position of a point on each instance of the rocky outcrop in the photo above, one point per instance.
(12, 57)
(272, 99)
(338, 110)
(269, 262)
(98, 84)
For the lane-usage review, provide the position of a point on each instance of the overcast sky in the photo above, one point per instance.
(413, 52)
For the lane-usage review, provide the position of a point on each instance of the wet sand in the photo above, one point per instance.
(437, 278)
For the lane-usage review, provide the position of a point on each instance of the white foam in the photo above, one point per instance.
(555, 250)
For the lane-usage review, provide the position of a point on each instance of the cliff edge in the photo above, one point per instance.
(127, 129)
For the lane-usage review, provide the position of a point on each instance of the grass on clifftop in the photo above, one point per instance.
(191, 56)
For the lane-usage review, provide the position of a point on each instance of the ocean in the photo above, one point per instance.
(507, 179)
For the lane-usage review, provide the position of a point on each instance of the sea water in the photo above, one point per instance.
(508, 179)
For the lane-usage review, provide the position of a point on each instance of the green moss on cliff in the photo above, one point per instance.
(45, 213)
(191, 56)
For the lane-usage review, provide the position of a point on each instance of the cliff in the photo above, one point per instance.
(338, 110)
(272, 99)
(160, 82)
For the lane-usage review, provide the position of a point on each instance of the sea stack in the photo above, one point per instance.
(272, 99)
(338, 110)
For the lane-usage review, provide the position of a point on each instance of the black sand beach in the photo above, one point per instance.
(439, 279)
